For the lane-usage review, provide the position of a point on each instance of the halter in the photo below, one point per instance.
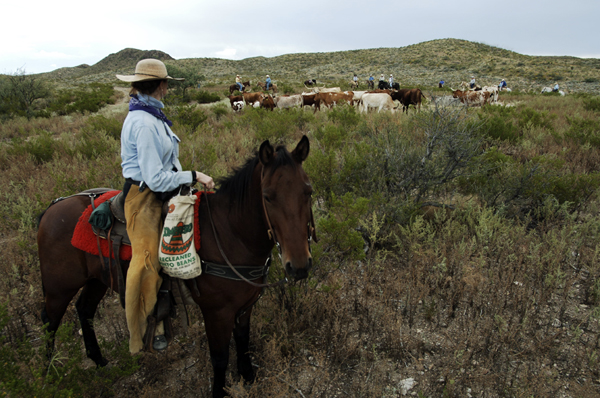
(272, 236)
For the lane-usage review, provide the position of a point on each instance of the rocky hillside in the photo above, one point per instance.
(419, 64)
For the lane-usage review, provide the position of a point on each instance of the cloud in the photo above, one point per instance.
(52, 55)
(228, 53)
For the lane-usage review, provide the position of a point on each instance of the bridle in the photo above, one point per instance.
(272, 236)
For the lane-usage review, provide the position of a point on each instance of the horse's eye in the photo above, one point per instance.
(266, 198)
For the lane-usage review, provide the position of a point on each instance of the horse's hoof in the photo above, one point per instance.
(102, 362)
(160, 343)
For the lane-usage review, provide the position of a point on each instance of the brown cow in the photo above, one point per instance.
(472, 98)
(408, 97)
(251, 98)
(267, 102)
(330, 99)
(235, 98)
(308, 100)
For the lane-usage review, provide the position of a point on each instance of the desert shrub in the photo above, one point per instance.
(528, 117)
(585, 131)
(25, 371)
(575, 189)
(88, 98)
(418, 166)
(19, 92)
(187, 115)
(592, 104)
(92, 144)
(286, 88)
(338, 229)
(41, 147)
(205, 97)
(344, 115)
(500, 128)
(520, 189)
(274, 126)
(220, 110)
(330, 136)
(111, 126)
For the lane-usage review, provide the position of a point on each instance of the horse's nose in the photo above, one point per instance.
(296, 272)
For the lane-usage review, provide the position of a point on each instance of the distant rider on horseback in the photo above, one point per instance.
(238, 81)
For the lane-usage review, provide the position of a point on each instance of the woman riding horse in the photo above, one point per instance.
(153, 173)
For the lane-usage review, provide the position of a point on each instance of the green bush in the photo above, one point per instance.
(111, 126)
(592, 104)
(528, 117)
(94, 144)
(19, 94)
(287, 88)
(500, 128)
(187, 115)
(274, 126)
(90, 98)
(345, 115)
(220, 110)
(585, 131)
(205, 97)
(339, 228)
(41, 146)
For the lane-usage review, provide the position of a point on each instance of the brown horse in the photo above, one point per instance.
(263, 86)
(267, 201)
(235, 87)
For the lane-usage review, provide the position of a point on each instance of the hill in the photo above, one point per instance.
(420, 64)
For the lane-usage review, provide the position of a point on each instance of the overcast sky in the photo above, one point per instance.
(40, 36)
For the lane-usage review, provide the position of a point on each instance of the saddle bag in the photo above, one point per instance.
(177, 253)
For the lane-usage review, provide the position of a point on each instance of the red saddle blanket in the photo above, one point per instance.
(85, 239)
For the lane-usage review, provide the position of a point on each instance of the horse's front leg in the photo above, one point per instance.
(241, 334)
(219, 326)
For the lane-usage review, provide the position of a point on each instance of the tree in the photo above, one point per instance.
(192, 79)
(19, 91)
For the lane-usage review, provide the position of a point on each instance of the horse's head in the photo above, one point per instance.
(287, 192)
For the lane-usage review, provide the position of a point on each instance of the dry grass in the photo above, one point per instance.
(465, 302)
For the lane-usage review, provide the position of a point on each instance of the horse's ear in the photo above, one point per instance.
(301, 152)
(266, 153)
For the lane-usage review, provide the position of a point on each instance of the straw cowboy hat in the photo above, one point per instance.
(148, 69)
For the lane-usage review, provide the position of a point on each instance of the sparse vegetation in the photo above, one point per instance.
(457, 247)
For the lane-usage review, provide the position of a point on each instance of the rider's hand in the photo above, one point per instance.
(205, 180)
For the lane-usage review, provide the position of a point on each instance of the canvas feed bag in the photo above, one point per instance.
(177, 254)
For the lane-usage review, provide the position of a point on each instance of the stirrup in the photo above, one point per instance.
(160, 343)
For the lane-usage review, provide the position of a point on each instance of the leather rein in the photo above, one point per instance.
(270, 232)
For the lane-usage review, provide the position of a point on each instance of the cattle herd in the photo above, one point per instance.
(380, 99)
(320, 97)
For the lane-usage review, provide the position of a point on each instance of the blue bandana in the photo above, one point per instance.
(136, 105)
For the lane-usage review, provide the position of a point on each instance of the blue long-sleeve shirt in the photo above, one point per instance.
(150, 150)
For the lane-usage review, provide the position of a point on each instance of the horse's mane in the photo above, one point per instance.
(236, 185)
